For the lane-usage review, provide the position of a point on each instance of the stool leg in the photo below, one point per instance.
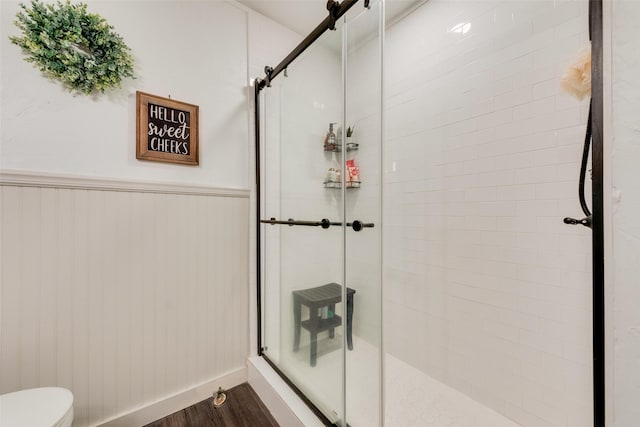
(314, 348)
(297, 314)
(349, 321)
(314, 325)
(331, 313)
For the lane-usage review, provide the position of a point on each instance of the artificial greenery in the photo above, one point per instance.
(350, 130)
(76, 47)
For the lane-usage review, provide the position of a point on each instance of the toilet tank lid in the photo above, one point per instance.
(35, 407)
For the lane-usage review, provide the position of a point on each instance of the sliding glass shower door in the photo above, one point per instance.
(363, 254)
(320, 221)
(302, 259)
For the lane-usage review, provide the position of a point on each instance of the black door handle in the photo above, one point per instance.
(357, 225)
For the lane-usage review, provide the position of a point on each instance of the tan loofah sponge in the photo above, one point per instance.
(577, 79)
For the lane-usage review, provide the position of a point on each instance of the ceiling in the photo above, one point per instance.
(302, 16)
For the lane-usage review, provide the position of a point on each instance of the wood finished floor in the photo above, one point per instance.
(243, 408)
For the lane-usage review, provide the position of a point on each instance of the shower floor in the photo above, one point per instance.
(412, 397)
(415, 399)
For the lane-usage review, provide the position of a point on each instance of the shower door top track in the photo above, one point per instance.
(336, 10)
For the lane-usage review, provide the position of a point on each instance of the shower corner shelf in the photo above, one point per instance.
(338, 184)
(351, 146)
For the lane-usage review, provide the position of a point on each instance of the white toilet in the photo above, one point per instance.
(37, 407)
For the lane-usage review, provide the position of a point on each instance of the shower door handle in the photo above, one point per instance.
(324, 222)
(357, 225)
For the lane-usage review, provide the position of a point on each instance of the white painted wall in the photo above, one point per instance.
(486, 289)
(622, 264)
(192, 51)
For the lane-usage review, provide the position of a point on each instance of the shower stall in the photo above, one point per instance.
(413, 171)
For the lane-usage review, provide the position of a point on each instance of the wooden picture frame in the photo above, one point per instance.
(166, 130)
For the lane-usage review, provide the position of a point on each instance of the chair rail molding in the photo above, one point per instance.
(80, 182)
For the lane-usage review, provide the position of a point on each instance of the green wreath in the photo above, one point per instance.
(78, 48)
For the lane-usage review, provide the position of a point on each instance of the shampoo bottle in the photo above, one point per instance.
(330, 140)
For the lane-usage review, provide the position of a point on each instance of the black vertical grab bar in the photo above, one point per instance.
(597, 205)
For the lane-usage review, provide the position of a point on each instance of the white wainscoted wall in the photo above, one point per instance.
(123, 293)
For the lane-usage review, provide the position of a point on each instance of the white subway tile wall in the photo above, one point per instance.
(486, 289)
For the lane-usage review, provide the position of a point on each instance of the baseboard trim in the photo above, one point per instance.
(285, 406)
(173, 403)
(78, 182)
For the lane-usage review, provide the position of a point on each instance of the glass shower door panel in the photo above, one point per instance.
(363, 108)
(484, 313)
(270, 250)
(303, 262)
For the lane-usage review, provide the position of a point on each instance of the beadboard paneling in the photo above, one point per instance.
(124, 295)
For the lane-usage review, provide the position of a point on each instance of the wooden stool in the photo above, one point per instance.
(316, 298)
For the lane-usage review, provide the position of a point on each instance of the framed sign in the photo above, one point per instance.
(167, 130)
